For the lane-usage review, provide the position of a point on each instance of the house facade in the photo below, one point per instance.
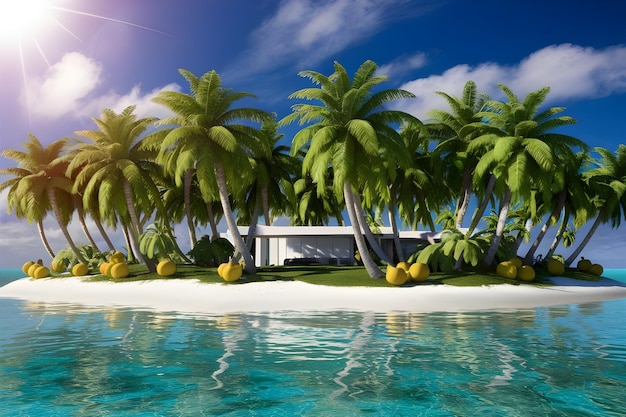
(335, 245)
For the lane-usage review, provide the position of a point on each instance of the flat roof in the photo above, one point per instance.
(285, 231)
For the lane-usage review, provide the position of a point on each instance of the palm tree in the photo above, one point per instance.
(610, 181)
(273, 169)
(568, 193)
(209, 141)
(315, 207)
(349, 131)
(118, 171)
(455, 131)
(40, 184)
(414, 191)
(518, 142)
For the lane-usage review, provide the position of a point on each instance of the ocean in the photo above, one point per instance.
(59, 360)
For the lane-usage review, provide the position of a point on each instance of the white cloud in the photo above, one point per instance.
(486, 76)
(572, 72)
(118, 102)
(403, 64)
(64, 86)
(307, 31)
(69, 88)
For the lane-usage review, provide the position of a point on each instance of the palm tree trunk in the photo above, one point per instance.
(131, 255)
(465, 197)
(252, 229)
(586, 240)
(394, 227)
(78, 202)
(497, 237)
(528, 225)
(483, 205)
(135, 227)
(104, 234)
(544, 229)
(44, 239)
(57, 214)
(365, 228)
(370, 266)
(214, 233)
(266, 205)
(559, 234)
(240, 246)
(187, 198)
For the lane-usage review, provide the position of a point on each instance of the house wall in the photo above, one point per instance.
(274, 250)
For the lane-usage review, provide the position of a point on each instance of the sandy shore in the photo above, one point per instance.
(191, 296)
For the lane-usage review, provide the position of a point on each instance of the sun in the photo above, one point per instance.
(21, 19)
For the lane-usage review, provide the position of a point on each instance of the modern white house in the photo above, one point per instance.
(293, 245)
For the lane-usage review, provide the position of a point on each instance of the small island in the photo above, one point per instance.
(354, 155)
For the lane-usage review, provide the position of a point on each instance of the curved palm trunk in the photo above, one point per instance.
(394, 227)
(483, 205)
(367, 232)
(78, 202)
(464, 198)
(187, 198)
(586, 240)
(126, 233)
(240, 246)
(497, 237)
(544, 229)
(44, 239)
(528, 225)
(559, 234)
(370, 266)
(252, 229)
(135, 228)
(214, 233)
(104, 234)
(57, 214)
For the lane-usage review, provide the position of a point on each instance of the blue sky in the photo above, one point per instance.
(84, 56)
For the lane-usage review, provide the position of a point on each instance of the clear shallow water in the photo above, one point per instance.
(557, 361)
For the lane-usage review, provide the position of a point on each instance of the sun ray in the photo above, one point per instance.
(41, 52)
(110, 19)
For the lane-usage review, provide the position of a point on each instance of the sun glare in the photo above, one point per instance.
(21, 19)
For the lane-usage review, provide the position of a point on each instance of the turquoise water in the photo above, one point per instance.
(558, 361)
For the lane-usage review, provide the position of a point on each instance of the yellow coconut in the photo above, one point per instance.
(80, 270)
(119, 270)
(596, 269)
(220, 269)
(103, 267)
(516, 261)
(232, 272)
(26, 266)
(584, 265)
(41, 272)
(506, 269)
(404, 265)
(555, 267)
(525, 273)
(396, 276)
(117, 258)
(166, 267)
(31, 269)
(419, 272)
(109, 267)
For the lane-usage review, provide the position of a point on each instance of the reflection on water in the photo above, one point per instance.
(62, 360)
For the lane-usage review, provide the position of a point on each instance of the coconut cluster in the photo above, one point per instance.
(514, 269)
(404, 272)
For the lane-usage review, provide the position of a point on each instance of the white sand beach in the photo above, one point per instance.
(192, 296)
